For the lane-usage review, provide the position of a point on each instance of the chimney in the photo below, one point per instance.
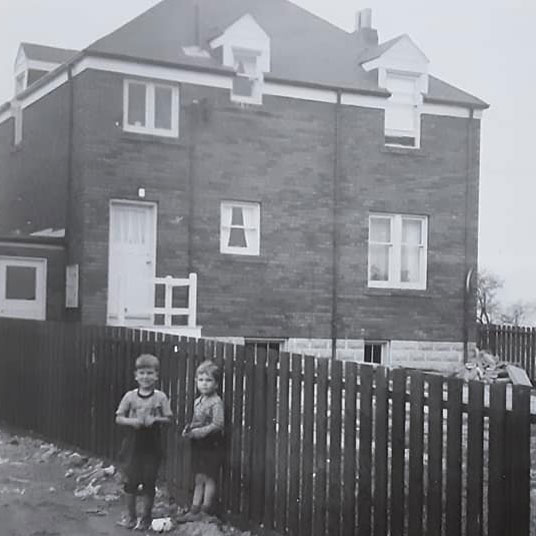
(366, 35)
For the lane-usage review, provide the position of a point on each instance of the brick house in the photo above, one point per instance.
(321, 187)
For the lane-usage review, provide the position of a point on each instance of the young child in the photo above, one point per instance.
(143, 411)
(206, 434)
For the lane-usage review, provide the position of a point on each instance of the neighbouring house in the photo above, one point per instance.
(320, 187)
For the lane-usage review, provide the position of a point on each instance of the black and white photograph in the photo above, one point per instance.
(267, 268)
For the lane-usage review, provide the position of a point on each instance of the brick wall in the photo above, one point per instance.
(33, 175)
(280, 155)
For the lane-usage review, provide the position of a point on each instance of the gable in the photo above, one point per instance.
(20, 60)
(401, 54)
(246, 34)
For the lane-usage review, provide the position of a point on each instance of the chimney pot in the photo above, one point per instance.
(363, 19)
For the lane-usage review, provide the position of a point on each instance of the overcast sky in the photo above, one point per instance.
(485, 47)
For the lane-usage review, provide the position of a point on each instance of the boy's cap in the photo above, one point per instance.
(147, 361)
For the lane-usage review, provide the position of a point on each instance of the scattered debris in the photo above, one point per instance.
(490, 369)
(163, 524)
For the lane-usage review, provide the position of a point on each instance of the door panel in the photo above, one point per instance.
(23, 287)
(131, 270)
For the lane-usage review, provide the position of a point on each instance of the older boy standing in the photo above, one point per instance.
(143, 411)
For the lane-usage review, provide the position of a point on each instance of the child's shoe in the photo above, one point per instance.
(127, 522)
(193, 515)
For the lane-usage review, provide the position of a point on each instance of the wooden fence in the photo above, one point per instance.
(511, 343)
(314, 447)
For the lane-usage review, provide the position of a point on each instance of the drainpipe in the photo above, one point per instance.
(467, 291)
(335, 228)
(194, 118)
(70, 146)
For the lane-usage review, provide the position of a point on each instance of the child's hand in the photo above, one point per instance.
(186, 431)
(137, 423)
(195, 434)
(149, 420)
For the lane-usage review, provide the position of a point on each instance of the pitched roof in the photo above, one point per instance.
(47, 53)
(304, 47)
(371, 53)
(441, 92)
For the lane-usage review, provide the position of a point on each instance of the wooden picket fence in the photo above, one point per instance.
(514, 344)
(314, 447)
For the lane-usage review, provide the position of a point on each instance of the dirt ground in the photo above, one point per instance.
(45, 491)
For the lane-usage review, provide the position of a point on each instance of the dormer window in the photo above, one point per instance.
(402, 114)
(248, 78)
(245, 47)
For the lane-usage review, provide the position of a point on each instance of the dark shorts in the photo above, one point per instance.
(139, 463)
(208, 455)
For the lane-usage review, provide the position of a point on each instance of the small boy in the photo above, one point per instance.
(206, 434)
(143, 411)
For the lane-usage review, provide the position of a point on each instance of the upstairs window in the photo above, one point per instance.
(151, 108)
(248, 78)
(240, 228)
(402, 116)
(397, 256)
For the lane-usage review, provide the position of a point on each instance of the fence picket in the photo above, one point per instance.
(364, 496)
(349, 454)
(475, 458)
(454, 457)
(497, 465)
(306, 494)
(434, 494)
(416, 451)
(398, 443)
(320, 482)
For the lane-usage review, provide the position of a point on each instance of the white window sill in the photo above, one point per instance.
(163, 133)
(386, 285)
(239, 251)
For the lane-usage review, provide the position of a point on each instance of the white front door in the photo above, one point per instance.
(131, 263)
(23, 284)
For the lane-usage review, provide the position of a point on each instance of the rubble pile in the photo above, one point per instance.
(489, 368)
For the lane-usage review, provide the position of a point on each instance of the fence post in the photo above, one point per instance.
(192, 301)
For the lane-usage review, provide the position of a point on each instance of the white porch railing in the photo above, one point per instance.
(168, 311)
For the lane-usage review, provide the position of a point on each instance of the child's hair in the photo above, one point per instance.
(147, 361)
(210, 368)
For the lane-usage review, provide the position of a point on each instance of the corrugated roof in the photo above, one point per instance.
(46, 53)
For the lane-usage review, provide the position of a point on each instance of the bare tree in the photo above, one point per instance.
(518, 313)
(488, 284)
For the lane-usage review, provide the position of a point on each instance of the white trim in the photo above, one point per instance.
(150, 111)
(223, 81)
(158, 72)
(296, 92)
(44, 90)
(449, 110)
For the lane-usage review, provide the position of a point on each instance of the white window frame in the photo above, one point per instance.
(226, 211)
(395, 252)
(28, 309)
(385, 357)
(150, 100)
(417, 102)
(257, 78)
